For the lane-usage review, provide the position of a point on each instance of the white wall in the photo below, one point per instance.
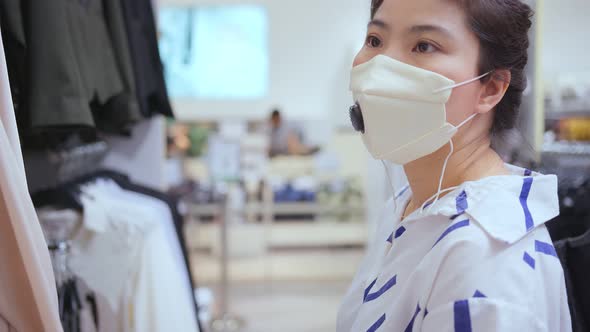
(312, 44)
(566, 28)
(141, 156)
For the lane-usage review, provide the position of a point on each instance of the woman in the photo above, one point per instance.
(464, 247)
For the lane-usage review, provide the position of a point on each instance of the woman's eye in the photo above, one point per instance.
(424, 47)
(373, 41)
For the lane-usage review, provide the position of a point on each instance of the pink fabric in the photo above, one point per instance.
(28, 296)
(5, 327)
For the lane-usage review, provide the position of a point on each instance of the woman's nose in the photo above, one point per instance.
(393, 51)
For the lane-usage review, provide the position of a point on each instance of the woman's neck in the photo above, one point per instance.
(469, 162)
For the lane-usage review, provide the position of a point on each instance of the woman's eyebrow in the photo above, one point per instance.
(417, 29)
(378, 23)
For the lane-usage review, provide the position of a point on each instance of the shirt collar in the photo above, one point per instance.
(507, 207)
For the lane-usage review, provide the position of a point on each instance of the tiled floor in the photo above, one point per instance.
(292, 291)
(287, 306)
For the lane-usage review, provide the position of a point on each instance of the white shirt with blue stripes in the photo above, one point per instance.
(480, 259)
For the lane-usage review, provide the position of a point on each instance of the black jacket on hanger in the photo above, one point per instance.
(148, 69)
(66, 70)
(13, 37)
(570, 232)
(574, 254)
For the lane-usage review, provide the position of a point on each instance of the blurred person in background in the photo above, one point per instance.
(287, 138)
(464, 246)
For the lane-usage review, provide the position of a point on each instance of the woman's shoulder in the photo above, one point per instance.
(498, 225)
(465, 241)
(508, 208)
(524, 273)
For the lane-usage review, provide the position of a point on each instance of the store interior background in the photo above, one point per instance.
(289, 274)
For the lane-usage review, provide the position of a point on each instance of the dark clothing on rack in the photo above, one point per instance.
(575, 257)
(574, 217)
(148, 69)
(71, 62)
(70, 306)
(570, 232)
(118, 31)
(64, 68)
(13, 36)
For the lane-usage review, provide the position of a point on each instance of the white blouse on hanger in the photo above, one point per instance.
(129, 254)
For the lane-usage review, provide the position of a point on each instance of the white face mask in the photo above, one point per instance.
(403, 109)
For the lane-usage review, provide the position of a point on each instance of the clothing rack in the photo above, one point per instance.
(59, 227)
(570, 231)
(50, 168)
(68, 195)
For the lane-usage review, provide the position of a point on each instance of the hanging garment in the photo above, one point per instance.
(479, 259)
(76, 313)
(116, 119)
(106, 255)
(178, 224)
(575, 257)
(574, 218)
(57, 197)
(70, 306)
(87, 322)
(148, 69)
(106, 252)
(183, 294)
(154, 293)
(29, 296)
(65, 69)
(13, 36)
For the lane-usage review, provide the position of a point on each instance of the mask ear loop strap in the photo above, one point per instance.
(442, 175)
(464, 122)
(444, 169)
(461, 84)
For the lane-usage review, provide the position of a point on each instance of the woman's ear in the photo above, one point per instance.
(493, 90)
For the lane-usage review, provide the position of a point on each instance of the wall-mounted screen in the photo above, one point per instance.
(215, 52)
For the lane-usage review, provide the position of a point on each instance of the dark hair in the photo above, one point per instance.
(502, 28)
(275, 113)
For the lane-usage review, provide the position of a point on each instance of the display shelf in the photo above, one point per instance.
(567, 148)
(279, 209)
(568, 112)
(325, 230)
(322, 233)
(296, 208)
(205, 209)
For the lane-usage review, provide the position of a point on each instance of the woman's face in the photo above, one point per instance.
(433, 35)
